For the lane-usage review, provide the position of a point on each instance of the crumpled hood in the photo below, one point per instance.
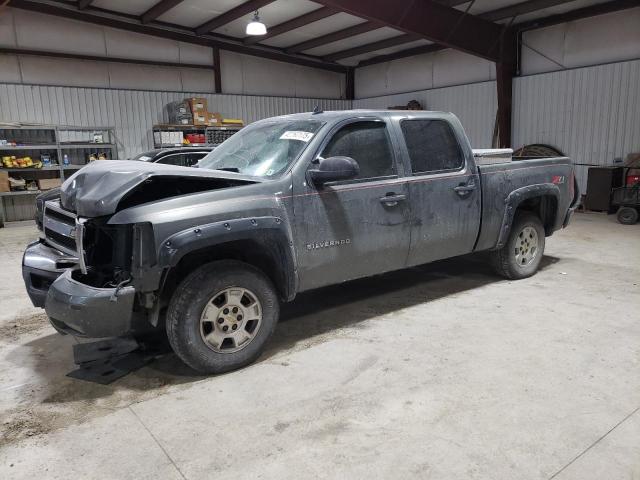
(97, 189)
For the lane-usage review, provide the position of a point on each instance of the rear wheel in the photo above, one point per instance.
(221, 316)
(627, 215)
(520, 257)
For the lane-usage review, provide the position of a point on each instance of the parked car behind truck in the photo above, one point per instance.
(288, 204)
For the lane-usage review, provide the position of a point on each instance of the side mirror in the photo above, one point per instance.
(334, 168)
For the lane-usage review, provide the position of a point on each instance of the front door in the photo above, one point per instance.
(355, 228)
(445, 191)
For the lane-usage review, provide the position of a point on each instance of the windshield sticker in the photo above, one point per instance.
(296, 135)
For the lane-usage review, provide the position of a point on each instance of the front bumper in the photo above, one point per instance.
(86, 311)
(72, 306)
(41, 265)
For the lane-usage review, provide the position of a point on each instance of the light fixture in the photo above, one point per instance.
(255, 26)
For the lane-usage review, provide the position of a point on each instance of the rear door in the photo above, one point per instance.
(358, 227)
(444, 188)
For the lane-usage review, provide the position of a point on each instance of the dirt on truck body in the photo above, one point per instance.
(288, 204)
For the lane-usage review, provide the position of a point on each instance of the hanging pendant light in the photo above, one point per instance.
(255, 26)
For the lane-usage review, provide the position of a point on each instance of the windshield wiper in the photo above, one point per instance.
(229, 169)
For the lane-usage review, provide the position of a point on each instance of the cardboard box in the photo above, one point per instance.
(49, 183)
(168, 138)
(198, 105)
(214, 119)
(200, 118)
(4, 182)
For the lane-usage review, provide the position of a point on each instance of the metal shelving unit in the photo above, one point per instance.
(211, 133)
(59, 140)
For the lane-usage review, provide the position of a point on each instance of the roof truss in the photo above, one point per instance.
(430, 20)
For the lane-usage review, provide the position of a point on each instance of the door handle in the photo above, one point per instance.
(391, 199)
(464, 190)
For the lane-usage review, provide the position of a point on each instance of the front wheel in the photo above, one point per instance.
(521, 255)
(221, 316)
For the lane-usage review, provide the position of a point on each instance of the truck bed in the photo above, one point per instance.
(498, 180)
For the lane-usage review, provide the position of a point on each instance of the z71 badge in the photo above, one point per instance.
(328, 243)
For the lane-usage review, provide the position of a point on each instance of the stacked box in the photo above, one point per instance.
(214, 119)
(198, 110)
(168, 138)
(4, 183)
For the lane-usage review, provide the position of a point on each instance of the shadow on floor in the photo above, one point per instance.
(310, 316)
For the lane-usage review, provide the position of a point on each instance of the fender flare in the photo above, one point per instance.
(269, 231)
(515, 198)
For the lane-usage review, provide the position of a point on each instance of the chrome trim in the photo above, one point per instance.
(59, 227)
(67, 230)
(59, 247)
(45, 257)
(55, 205)
(79, 231)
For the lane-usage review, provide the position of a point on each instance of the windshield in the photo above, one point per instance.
(262, 150)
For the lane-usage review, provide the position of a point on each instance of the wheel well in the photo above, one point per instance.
(247, 251)
(545, 207)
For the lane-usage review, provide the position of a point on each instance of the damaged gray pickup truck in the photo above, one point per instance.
(288, 204)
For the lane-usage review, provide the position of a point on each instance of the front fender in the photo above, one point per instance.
(271, 232)
(515, 198)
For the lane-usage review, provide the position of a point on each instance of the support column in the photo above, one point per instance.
(350, 86)
(506, 69)
(504, 76)
(217, 77)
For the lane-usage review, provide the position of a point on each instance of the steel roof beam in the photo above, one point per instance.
(158, 9)
(493, 15)
(520, 9)
(410, 52)
(177, 33)
(334, 36)
(372, 47)
(292, 24)
(579, 14)
(430, 20)
(351, 31)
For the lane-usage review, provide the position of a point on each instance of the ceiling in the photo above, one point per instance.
(301, 29)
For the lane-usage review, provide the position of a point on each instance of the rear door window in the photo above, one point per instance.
(432, 146)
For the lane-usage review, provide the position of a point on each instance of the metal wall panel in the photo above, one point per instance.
(591, 114)
(474, 104)
(133, 112)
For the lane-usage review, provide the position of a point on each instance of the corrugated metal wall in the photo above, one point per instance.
(591, 114)
(132, 112)
(474, 104)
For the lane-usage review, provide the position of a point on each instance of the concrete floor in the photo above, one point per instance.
(444, 371)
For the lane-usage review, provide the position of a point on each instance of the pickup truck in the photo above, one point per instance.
(288, 204)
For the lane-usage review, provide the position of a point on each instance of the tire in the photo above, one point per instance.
(218, 295)
(521, 255)
(627, 215)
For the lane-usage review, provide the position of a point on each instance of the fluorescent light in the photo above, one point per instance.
(255, 26)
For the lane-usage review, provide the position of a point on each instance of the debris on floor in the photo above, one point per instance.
(107, 360)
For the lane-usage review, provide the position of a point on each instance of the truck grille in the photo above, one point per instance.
(60, 227)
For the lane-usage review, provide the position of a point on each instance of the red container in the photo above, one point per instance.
(195, 137)
(632, 180)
